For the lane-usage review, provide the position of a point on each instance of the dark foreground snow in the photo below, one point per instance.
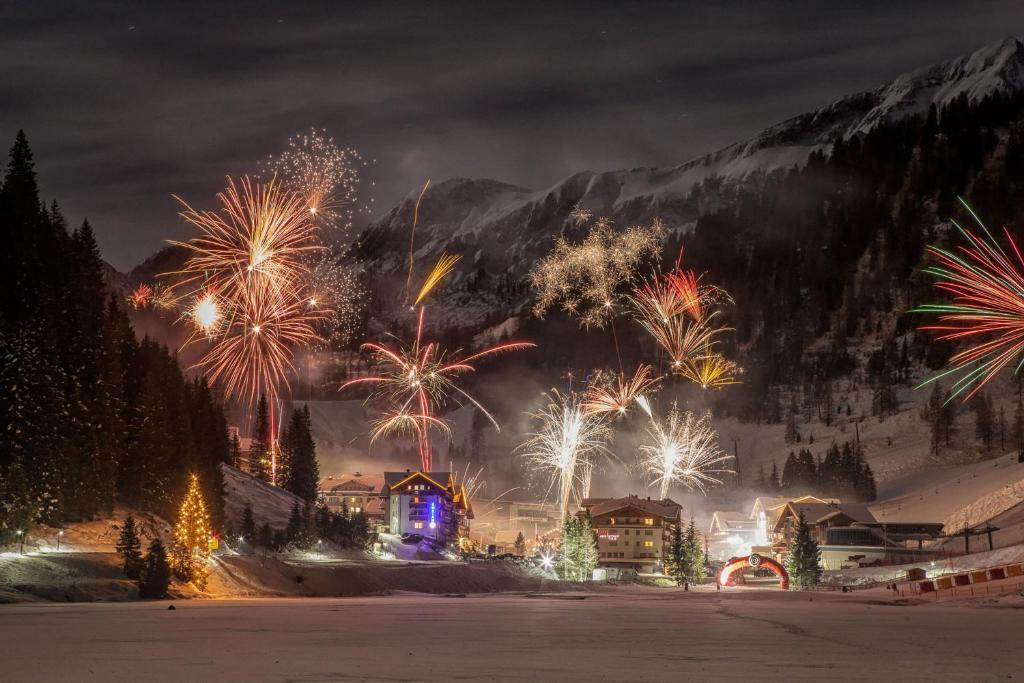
(613, 635)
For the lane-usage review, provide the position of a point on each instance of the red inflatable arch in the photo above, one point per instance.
(753, 560)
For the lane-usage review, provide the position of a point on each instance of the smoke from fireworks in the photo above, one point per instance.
(567, 445)
(987, 286)
(683, 449)
(585, 278)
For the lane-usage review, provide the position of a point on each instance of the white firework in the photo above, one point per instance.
(683, 449)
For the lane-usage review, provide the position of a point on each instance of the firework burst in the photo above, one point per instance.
(709, 370)
(617, 395)
(987, 286)
(585, 278)
(246, 277)
(323, 174)
(416, 380)
(567, 445)
(141, 297)
(335, 286)
(683, 449)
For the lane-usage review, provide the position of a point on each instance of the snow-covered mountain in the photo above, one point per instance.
(500, 227)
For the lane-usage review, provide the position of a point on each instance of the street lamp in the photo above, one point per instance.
(21, 542)
(318, 544)
(59, 534)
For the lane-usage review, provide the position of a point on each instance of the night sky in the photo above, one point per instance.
(125, 105)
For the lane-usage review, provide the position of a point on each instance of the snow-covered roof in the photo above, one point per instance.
(666, 507)
(816, 513)
(357, 482)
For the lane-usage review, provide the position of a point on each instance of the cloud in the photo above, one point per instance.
(120, 117)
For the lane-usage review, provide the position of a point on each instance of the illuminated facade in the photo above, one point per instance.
(354, 493)
(430, 504)
(632, 532)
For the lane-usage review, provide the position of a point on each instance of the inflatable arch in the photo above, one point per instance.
(756, 561)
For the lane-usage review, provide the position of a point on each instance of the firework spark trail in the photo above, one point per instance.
(257, 239)
(567, 445)
(336, 287)
(684, 450)
(254, 353)
(251, 253)
(441, 269)
(585, 278)
(617, 395)
(709, 370)
(323, 174)
(418, 379)
(412, 237)
(141, 296)
(987, 286)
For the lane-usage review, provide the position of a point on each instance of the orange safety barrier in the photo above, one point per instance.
(980, 576)
(944, 582)
(1015, 570)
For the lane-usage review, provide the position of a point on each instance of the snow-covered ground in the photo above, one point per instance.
(632, 634)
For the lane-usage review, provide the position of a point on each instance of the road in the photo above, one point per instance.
(610, 635)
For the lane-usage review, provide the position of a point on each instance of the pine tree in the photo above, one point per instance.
(192, 532)
(294, 528)
(235, 451)
(675, 562)
(259, 447)
(774, 483)
(803, 561)
(579, 549)
(156, 573)
(128, 547)
(303, 473)
(693, 561)
(248, 524)
(266, 539)
(520, 544)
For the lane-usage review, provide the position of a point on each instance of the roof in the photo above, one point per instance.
(816, 513)
(766, 504)
(357, 482)
(440, 479)
(666, 507)
(730, 521)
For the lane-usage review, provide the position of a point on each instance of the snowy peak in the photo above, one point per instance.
(995, 68)
(503, 229)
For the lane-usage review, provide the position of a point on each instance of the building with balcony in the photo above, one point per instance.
(430, 504)
(354, 493)
(633, 533)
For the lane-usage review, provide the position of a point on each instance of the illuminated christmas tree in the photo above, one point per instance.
(192, 537)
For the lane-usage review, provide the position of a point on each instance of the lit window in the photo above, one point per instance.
(613, 520)
(649, 521)
(417, 525)
(415, 499)
(648, 544)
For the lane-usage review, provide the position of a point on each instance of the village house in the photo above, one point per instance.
(429, 504)
(633, 533)
(354, 493)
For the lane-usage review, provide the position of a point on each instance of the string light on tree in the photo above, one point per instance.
(192, 536)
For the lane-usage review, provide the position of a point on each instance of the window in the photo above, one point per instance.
(415, 499)
(649, 532)
(417, 525)
(649, 521)
(613, 520)
(648, 544)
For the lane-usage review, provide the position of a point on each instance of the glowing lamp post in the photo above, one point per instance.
(21, 542)
(59, 534)
(318, 544)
